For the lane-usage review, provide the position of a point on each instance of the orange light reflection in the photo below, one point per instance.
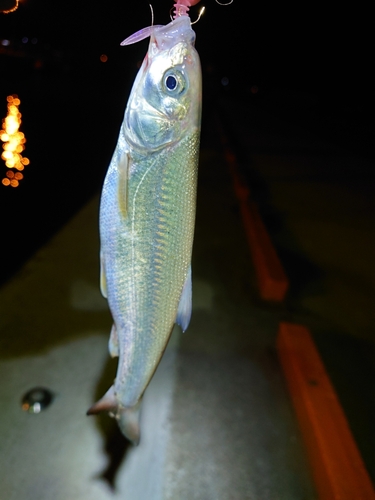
(14, 141)
(12, 9)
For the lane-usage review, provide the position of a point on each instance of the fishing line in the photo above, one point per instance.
(201, 12)
(152, 15)
(189, 5)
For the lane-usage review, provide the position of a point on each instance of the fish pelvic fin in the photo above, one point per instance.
(127, 417)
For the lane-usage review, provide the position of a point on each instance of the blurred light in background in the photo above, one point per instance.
(14, 141)
(7, 6)
(104, 58)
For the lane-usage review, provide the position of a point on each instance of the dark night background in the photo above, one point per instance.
(308, 65)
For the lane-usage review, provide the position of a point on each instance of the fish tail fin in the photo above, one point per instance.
(127, 418)
(128, 421)
(107, 403)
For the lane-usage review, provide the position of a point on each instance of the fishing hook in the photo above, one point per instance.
(181, 8)
(201, 12)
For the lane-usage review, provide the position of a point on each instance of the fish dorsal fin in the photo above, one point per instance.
(122, 193)
(103, 279)
(185, 305)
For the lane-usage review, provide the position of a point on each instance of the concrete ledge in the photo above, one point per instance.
(337, 466)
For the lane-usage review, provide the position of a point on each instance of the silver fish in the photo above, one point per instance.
(147, 215)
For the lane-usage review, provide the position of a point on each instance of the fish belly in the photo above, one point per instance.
(146, 250)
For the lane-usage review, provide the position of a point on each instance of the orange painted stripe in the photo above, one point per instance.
(272, 280)
(337, 465)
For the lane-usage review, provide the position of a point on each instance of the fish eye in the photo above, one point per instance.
(174, 82)
(171, 82)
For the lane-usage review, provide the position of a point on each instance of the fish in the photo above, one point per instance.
(147, 214)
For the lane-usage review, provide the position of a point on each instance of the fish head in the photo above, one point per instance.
(165, 101)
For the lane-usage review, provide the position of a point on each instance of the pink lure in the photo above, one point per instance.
(181, 8)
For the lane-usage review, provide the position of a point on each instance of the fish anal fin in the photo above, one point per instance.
(107, 403)
(113, 342)
(185, 305)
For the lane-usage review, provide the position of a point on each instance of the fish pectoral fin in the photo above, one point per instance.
(113, 342)
(122, 192)
(185, 305)
(107, 403)
(103, 279)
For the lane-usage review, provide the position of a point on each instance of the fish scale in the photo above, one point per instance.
(162, 256)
